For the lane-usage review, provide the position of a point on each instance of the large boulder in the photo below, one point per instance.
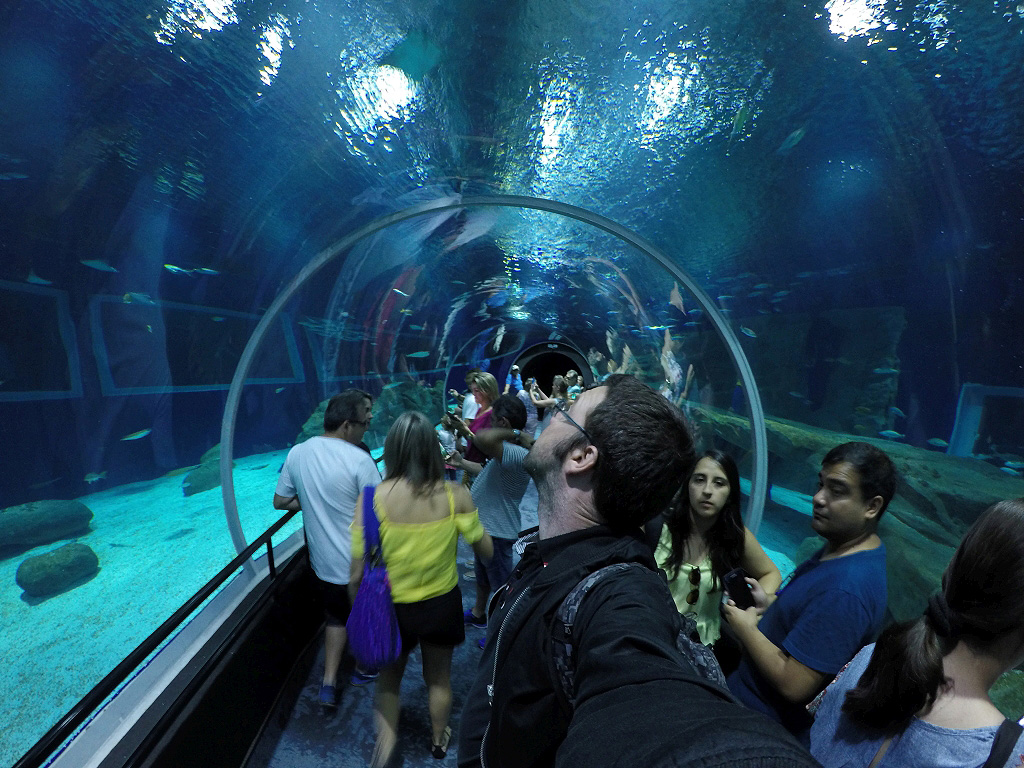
(66, 567)
(41, 522)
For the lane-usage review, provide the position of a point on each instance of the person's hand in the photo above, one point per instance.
(689, 374)
(453, 392)
(740, 621)
(761, 599)
(454, 459)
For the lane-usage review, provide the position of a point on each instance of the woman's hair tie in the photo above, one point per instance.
(941, 617)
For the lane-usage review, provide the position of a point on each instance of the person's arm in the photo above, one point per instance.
(291, 503)
(758, 565)
(542, 402)
(484, 546)
(457, 460)
(355, 568)
(796, 682)
(491, 441)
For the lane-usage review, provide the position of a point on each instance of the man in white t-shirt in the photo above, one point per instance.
(323, 476)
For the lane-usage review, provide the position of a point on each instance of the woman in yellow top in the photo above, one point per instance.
(421, 517)
(703, 539)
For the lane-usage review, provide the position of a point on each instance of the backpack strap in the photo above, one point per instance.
(699, 656)
(1006, 738)
(562, 632)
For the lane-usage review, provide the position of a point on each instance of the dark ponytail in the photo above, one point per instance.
(980, 600)
(903, 677)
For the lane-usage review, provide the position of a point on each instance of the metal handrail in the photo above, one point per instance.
(64, 727)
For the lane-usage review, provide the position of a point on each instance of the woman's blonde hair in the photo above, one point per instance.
(487, 384)
(412, 452)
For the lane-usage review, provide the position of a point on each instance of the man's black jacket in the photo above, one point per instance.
(638, 701)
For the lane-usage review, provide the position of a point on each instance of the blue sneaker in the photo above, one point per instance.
(361, 677)
(328, 696)
(481, 643)
(480, 622)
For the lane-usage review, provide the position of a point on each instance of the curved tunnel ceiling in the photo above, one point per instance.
(791, 157)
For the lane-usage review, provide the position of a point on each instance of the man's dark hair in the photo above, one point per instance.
(342, 408)
(644, 452)
(511, 408)
(876, 470)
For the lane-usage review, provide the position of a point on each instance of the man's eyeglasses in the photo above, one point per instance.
(691, 599)
(565, 412)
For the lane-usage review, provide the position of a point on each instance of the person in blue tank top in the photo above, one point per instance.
(794, 642)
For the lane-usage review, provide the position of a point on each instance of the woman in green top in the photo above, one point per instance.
(704, 538)
(421, 517)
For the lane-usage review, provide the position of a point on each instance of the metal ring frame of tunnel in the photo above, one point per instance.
(227, 433)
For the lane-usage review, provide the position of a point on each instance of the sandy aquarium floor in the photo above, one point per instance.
(156, 549)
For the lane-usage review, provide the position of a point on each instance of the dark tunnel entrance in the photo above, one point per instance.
(545, 361)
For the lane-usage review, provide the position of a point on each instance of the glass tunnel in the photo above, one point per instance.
(216, 214)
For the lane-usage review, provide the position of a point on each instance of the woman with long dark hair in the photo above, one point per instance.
(920, 695)
(704, 538)
(421, 517)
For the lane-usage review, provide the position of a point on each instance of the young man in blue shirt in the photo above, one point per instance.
(795, 641)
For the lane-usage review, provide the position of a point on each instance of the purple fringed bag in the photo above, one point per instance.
(372, 626)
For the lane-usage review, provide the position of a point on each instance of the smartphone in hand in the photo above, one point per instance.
(737, 588)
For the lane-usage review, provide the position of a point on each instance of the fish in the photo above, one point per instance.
(37, 486)
(12, 176)
(804, 275)
(179, 534)
(862, 409)
(739, 120)
(99, 264)
(691, 324)
(279, 390)
(177, 270)
(695, 312)
(762, 286)
(724, 297)
(791, 141)
(752, 294)
(138, 298)
(424, 353)
(747, 332)
(797, 395)
(137, 435)
(894, 411)
(886, 371)
(1014, 464)
(415, 327)
(217, 319)
(400, 293)
(92, 477)
(780, 294)
(1010, 471)
(499, 337)
(405, 311)
(890, 434)
(149, 327)
(36, 279)
(938, 442)
(205, 271)
(675, 298)
(656, 327)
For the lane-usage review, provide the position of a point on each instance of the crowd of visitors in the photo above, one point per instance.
(640, 622)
